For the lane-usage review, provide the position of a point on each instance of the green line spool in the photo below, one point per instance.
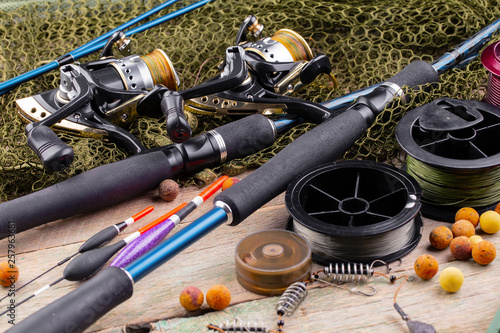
(454, 154)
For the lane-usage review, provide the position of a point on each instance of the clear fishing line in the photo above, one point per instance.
(356, 211)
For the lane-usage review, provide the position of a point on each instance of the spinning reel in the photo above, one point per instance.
(278, 66)
(95, 99)
(98, 98)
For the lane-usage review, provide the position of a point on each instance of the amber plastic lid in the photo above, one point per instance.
(269, 261)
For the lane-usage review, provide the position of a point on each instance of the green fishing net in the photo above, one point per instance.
(366, 41)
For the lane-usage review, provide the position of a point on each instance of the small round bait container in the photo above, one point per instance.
(269, 261)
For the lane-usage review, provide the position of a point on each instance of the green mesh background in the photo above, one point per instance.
(367, 43)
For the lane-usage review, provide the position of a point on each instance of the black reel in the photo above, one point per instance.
(95, 99)
(278, 66)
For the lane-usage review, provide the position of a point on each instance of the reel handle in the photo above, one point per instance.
(55, 154)
(52, 151)
(172, 106)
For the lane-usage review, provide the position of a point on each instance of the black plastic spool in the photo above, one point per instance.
(355, 199)
(452, 134)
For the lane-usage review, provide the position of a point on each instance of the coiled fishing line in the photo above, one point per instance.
(453, 154)
(471, 188)
(355, 211)
(357, 249)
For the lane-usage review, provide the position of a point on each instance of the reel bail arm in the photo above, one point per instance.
(121, 40)
(250, 24)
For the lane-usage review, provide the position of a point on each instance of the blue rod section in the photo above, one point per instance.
(466, 51)
(346, 100)
(141, 28)
(177, 243)
(93, 47)
(127, 24)
(284, 124)
(166, 17)
(458, 57)
(14, 82)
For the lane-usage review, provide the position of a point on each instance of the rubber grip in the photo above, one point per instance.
(92, 190)
(415, 74)
(79, 309)
(325, 143)
(247, 136)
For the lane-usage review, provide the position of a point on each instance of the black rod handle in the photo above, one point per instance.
(113, 183)
(92, 190)
(325, 143)
(79, 309)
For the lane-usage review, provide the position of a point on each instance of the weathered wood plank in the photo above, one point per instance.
(211, 261)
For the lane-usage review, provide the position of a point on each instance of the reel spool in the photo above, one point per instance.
(490, 58)
(285, 46)
(355, 211)
(453, 154)
(161, 69)
(268, 262)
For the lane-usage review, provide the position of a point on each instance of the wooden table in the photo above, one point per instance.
(155, 304)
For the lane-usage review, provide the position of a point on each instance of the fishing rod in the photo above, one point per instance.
(326, 142)
(88, 263)
(100, 42)
(132, 247)
(458, 57)
(112, 183)
(99, 239)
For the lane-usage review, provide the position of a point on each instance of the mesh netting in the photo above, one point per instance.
(367, 43)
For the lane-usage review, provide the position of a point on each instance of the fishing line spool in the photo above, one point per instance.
(284, 46)
(355, 211)
(269, 261)
(453, 154)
